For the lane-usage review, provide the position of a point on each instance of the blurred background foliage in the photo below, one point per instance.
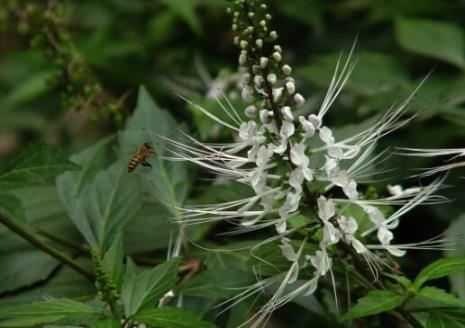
(70, 71)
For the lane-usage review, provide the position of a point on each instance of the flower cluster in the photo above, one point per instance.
(296, 164)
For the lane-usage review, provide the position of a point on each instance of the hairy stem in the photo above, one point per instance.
(35, 241)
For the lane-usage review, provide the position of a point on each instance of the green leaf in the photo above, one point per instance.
(142, 289)
(22, 264)
(404, 281)
(35, 85)
(375, 73)
(24, 268)
(172, 318)
(446, 318)
(104, 206)
(113, 262)
(66, 283)
(439, 269)
(36, 164)
(107, 323)
(48, 311)
(457, 279)
(374, 302)
(440, 295)
(168, 181)
(441, 40)
(146, 232)
(186, 10)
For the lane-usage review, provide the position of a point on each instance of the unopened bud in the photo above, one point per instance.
(242, 59)
(287, 113)
(278, 48)
(258, 81)
(287, 70)
(277, 93)
(244, 44)
(247, 93)
(315, 120)
(264, 62)
(290, 87)
(263, 116)
(277, 56)
(299, 100)
(271, 78)
(259, 43)
(251, 111)
(273, 35)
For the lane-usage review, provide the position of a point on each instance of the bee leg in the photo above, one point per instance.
(146, 164)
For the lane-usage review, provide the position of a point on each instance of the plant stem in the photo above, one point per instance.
(410, 318)
(60, 256)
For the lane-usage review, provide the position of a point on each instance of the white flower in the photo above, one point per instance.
(290, 205)
(326, 135)
(287, 113)
(326, 210)
(348, 228)
(287, 249)
(321, 262)
(301, 160)
(308, 127)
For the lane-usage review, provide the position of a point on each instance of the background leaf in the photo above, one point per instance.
(34, 165)
(441, 40)
(374, 302)
(172, 318)
(141, 289)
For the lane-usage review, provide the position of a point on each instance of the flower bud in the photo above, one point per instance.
(242, 59)
(287, 113)
(315, 120)
(244, 44)
(258, 80)
(247, 93)
(287, 70)
(278, 49)
(277, 56)
(299, 100)
(264, 62)
(259, 43)
(264, 116)
(271, 78)
(273, 35)
(290, 87)
(251, 111)
(277, 93)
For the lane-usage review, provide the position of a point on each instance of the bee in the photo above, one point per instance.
(140, 157)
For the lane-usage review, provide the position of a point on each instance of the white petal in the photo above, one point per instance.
(395, 251)
(326, 135)
(326, 208)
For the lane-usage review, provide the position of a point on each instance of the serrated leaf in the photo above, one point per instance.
(66, 283)
(142, 289)
(172, 318)
(113, 262)
(105, 205)
(36, 164)
(440, 295)
(22, 265)
(404, 281)
(441, 40)
(374, 302)
(107, 323)
(168, 181)
(439, 269)
(48, 311)
(446, 318)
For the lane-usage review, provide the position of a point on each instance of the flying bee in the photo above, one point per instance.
(140, 157)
